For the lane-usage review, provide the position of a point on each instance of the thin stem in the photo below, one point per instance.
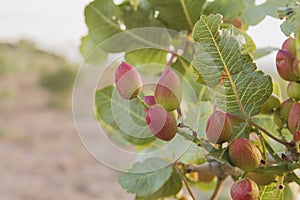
(185, 182)
(280, 186)
(218, 189)
(142, 102)
(279, 169)
(268, 134)
(186, 135)
(170, 61)
(174, 53)
(208, 147)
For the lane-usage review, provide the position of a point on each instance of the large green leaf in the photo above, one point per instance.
(154, 60)
(259, 53)
(91, 52)
(129, 121)
(178, 14)
(256, 13)
(142, 17)
(243, 37)
(237, 87)
(102, 17)
(247, 42)
(105, 19)
(194, 154)
(117, 136)
(289, 25)
(197, 116)
(227, 8)
(171, 187)
(144, 178)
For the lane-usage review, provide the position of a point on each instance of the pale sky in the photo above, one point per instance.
(58, 25)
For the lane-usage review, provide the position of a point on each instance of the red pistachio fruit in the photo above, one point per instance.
(285, 109)
(168, 91)
(161, 123)
(150, 101)
(294, 117)
(244, 154)
(244, 189)
(284, 64)
(290, 45)
(128, 81)
(218, 127)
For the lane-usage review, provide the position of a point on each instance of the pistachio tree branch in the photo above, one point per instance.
(213, 167)
(218, 189)
(285, 143)
(185, 182)
(216, 168)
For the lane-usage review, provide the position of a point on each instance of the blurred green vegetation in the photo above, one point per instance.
(49, 71)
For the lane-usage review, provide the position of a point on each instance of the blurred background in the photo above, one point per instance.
(42, 157)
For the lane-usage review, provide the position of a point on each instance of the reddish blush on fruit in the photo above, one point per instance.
(244, 154)
(128, 81)
(244, 189)
(168, 91)
(161, 123)
(218, 128)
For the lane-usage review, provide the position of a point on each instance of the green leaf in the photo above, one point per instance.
(289, 25)
(197, 116)
(144, 178)
(291, 13)
(142, 17)
(178, 14)
(117, 136)
(227, 8)
(103, 105)
(237, 87)
(256, 13)
(154, 60)
(125, 118)
(166, 150)
(91, 52)
(243, 37)
(171, 187)
(102, 19)
(194, 154)
(105, 19)
(267, 122)
(181, 65)
(259, 53)
(269, 192)
(247, 42)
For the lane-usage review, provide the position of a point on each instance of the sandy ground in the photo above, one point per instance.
(41, 155)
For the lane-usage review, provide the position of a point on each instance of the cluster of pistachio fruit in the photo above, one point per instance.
(287, 113)
(160, 108)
